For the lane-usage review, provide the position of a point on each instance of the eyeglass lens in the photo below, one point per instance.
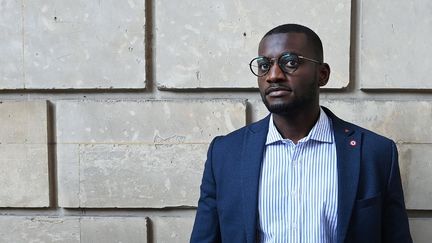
(288, 62)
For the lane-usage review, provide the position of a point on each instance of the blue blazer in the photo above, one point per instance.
(370, 199)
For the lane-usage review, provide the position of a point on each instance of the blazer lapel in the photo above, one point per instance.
(252, 154)
(348, 149)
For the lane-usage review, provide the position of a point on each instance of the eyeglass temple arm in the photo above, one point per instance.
(309, 59)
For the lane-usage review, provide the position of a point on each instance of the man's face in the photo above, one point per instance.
(283, 93)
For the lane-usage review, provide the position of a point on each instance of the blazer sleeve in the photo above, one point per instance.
(206, 227)
(395, 220)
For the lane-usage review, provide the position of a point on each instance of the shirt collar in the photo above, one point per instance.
(322, 131)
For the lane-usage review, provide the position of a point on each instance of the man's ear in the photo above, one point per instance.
(324, 74)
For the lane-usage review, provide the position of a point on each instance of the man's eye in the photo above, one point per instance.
(263, 66)
(292, 64)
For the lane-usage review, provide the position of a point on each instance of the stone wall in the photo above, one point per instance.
(107, 107)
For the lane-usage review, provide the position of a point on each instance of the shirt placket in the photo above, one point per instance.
(295, 195)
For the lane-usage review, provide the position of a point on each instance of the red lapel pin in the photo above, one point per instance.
(353, 143)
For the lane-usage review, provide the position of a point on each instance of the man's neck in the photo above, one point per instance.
(296, 125)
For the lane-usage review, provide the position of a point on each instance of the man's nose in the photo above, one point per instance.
(275, 74)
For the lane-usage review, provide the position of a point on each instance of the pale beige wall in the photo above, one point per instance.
(107, 107)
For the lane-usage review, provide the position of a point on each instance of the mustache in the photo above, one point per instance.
(278, 87)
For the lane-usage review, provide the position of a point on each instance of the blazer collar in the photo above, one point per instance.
(251, 158)
(348, 140)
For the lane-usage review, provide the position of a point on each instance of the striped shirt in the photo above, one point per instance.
(298, 186)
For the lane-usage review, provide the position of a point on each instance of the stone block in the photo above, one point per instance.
(68, 169)
(113, 230)
(83, 44)
(39, 229)
(209, 44)
(421, 229)
(24, 155)
(72, 229)
(394, 119)
(393, 51)
(140, 175)
(23, 122)
(11, 50)
(24, 176)
(172, 229)
(416, 170)
(137, 154)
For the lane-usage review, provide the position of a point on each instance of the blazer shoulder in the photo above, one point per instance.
(371, 135)
(233, 143)
(236, 135)
(340, 124)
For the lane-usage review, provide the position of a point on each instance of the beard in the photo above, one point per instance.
(284, 108)
(301, 102)
(280, 108)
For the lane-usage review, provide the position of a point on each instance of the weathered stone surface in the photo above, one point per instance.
(209, 44)
(72, 229)
(166, 122)
(172, 229)
(140, 175)
(38, 229)
(258, 110)
(416, 168)
(79, 44)
(394, 54)
(23, 122)
(68, 168)
(394, 119)
(23, 155)
(113, 230)
(120, 154)
(11, 51)
(24, 176)
(421, 229)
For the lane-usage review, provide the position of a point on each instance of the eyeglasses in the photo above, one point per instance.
(287, 62)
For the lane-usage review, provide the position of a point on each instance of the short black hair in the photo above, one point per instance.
(312, 37)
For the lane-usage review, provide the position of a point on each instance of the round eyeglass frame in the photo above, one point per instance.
(271, 62)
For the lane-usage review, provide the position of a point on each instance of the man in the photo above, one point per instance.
(301, 174)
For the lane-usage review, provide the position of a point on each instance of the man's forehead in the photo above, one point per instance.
(281, 42)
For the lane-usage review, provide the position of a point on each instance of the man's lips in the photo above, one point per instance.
(277, 91)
